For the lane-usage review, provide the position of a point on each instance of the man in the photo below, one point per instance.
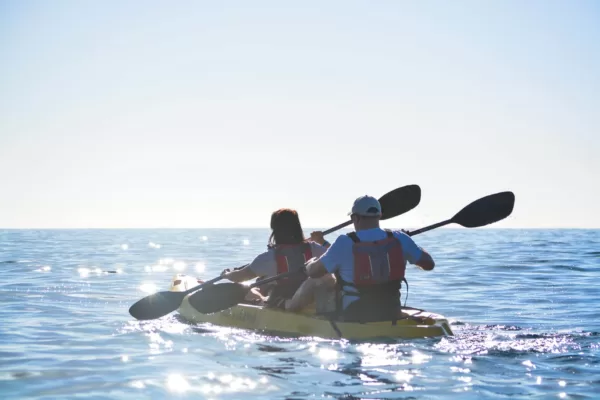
(369, 265)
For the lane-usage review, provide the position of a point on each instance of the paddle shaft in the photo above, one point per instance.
(213, 280)
(416, 232)
(335, 228)
(430, 227)
(274, 278)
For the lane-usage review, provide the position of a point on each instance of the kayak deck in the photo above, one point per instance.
(415, 324)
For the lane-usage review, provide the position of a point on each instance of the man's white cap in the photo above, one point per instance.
(367, 206)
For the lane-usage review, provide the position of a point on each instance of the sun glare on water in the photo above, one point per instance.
(177, 383)
(179, 266)
(200, 267)
(148, 288)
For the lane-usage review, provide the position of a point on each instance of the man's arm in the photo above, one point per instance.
(315, 268)
(329, 262)
(415, 254)
(425, 262)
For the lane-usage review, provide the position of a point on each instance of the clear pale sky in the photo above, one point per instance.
(214, 114)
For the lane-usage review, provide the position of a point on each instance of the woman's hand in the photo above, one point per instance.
(317, 236)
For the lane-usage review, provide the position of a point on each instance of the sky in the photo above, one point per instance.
(147, 114)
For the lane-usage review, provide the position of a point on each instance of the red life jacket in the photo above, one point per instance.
(377, 262)
(379, 269)
(289, 257)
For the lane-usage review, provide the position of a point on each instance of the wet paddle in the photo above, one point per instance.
(484, 211)
(394, 203)
(162, 303)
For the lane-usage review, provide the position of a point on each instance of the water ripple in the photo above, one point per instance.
(523, 305)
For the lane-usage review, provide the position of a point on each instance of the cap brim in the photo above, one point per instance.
(366, 215)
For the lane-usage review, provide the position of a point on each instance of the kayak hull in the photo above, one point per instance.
(416, 324)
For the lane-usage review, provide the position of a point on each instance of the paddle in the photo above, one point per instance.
(394, 203)
(481, 212)
(162, 303)
(485, 211)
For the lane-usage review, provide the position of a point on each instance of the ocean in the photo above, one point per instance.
(524, 306)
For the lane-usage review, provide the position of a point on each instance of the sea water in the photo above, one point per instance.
(524, 306)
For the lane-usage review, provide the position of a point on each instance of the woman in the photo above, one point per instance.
(287, 251)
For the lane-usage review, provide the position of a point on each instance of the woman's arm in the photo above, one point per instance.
(241, 275)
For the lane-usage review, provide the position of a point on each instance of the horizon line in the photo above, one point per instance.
(268, 228)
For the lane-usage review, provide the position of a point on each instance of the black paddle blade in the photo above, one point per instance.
(400, 201)
(156, 305)
(485, 211)
(218, 297)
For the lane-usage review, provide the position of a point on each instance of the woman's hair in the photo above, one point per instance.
(286, 227)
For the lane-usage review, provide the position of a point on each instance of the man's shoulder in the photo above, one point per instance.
(371, 234)
(403, 237)
(343, 238)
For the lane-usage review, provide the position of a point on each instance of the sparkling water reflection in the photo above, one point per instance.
(523, 306)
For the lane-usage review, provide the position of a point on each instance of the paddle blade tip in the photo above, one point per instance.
(400, 201)
(156, 305)
(486, 210)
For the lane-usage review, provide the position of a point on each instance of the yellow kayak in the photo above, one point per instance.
(416, 324)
